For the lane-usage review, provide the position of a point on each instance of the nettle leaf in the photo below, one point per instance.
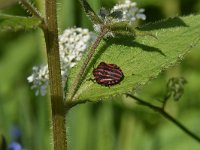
(141, 59)
(15, 23)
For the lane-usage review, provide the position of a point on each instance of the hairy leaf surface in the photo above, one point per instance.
(15, 23)
(141, 59)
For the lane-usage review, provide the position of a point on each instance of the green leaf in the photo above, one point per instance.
(90, 12)
(15, 23)
(142, 59)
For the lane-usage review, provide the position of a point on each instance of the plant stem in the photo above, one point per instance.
(91, 52)
(166, 115)
(56, 90)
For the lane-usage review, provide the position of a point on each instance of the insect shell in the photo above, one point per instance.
(108, 74)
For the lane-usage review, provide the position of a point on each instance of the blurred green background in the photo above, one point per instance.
(118, 123)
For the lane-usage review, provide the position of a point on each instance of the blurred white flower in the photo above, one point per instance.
(39, 79)
(130, 12)
(72, 44)
(126, 11)
(123, 12)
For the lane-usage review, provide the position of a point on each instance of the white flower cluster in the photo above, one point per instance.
(129, 10)
(72, 43)
(126, 11)
(39, 79)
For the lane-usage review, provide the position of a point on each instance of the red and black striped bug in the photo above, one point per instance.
(108, 74)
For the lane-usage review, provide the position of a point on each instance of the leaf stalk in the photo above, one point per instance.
(91, 52)
(165, 115)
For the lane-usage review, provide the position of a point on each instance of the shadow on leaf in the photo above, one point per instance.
(169, 23)
(131, 43)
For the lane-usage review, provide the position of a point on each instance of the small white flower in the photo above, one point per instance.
(72, 43)
(39, 79)
(130, 12)
(123, 12)
(97, 27)
(127, 11)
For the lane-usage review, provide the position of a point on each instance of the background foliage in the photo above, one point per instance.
(118, 123)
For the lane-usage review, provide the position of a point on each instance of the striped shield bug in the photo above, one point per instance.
(108, 74)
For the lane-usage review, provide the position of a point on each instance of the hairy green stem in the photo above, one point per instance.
(31, 9)
(166, 115)
(91, 52)
(56, 90)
